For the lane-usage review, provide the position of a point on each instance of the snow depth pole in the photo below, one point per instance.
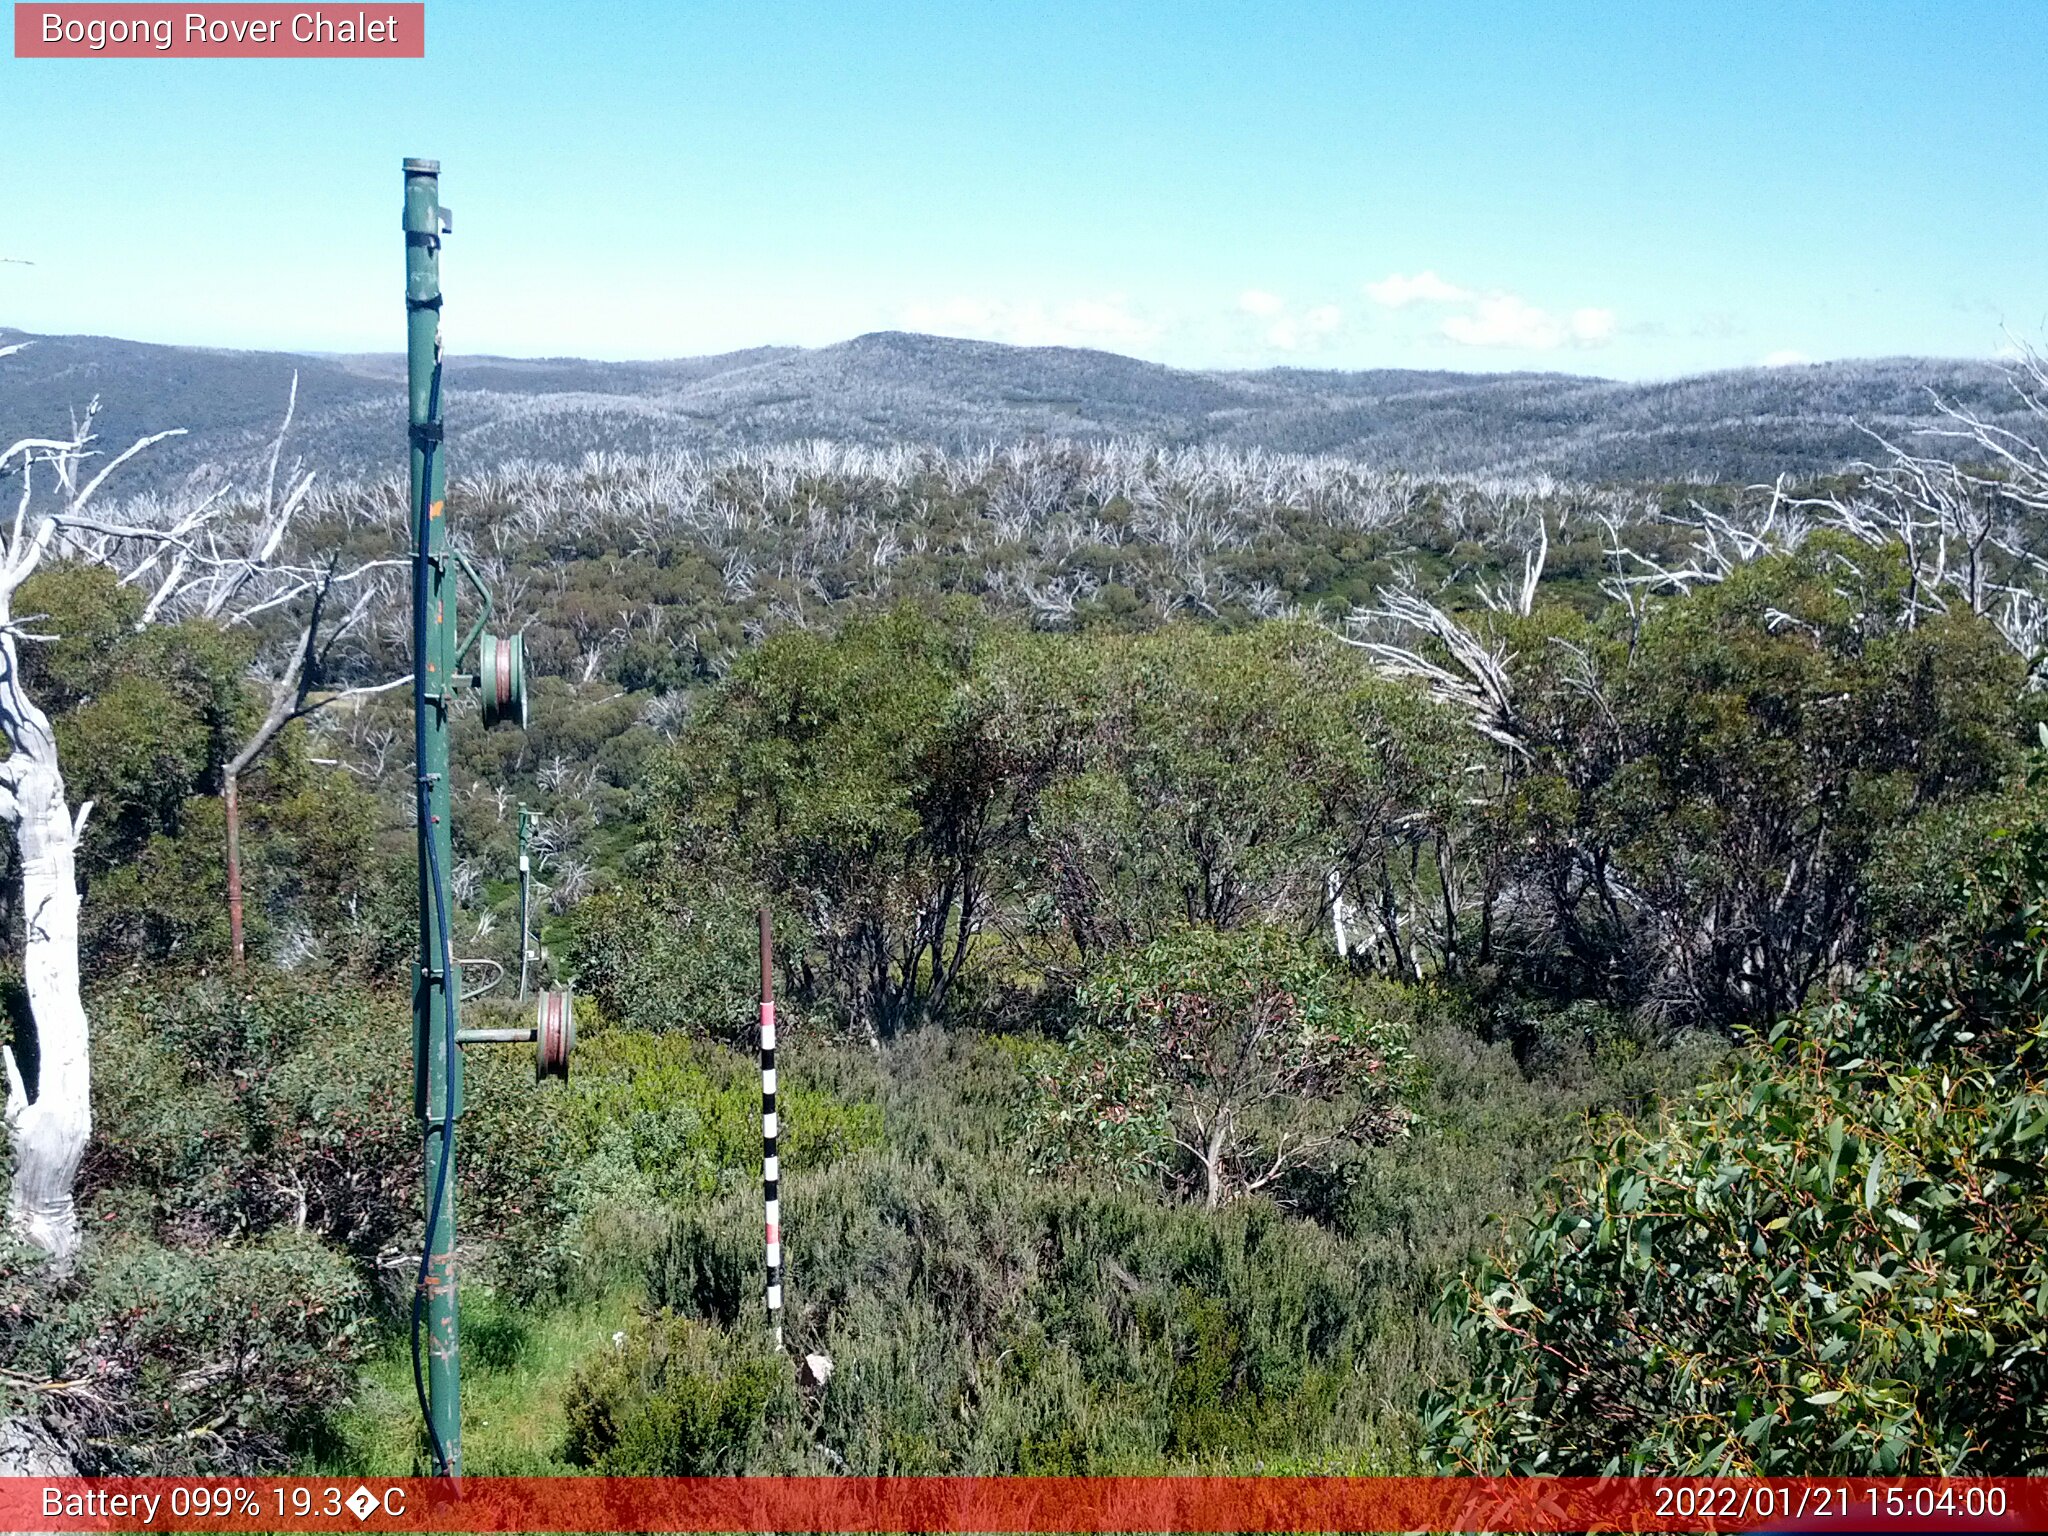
(437, 985)
(771, 1165)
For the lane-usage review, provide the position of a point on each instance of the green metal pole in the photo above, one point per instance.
(437, 1064)
(525, 891)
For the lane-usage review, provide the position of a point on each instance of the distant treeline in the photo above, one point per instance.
(892, 388)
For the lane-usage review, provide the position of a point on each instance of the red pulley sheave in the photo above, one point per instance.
(501, 679)
(555, 1034)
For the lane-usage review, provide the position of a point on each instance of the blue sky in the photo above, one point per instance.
(1637, 190)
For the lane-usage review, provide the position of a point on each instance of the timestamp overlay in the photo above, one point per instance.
(1021, 1504)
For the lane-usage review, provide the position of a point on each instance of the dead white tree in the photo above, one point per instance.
(1334, 892)
(1960, 517)
(1472, 674)
(1521, 601)
(49, 1120)
(215, 558)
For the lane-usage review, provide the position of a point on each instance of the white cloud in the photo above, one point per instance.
(1107, 322)
(1511, 322)
(1785, 357)
(1290, 332)
(1397, 291)
(1592, 326)
(1256, 301)
(1505, 321)
(1495, 319)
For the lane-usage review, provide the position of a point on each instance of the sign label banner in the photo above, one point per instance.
(234, 31)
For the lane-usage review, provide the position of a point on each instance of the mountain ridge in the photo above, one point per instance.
(895, 386)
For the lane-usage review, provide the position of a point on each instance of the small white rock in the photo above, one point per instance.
(817, 1369)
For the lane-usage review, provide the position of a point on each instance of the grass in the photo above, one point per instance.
(516, 1363)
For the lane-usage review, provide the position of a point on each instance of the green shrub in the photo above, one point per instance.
(1835, 1261)
(237, 1108)
(649, 1124)
(153, 1360)
(676, 1398)
(234, 1106)
(1228, 1062)
(686, 1115)
(704, 1270)
(980, 1322)
(688, 965)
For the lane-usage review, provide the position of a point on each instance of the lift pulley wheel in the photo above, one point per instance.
(501, 679)
(555, 1036)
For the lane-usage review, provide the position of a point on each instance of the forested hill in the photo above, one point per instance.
(1743, 425)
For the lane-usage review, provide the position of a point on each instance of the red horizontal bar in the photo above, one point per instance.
(371, 29)
(1024, 1504)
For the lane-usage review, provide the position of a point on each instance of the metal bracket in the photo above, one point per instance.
(490, 607)
(497, 973)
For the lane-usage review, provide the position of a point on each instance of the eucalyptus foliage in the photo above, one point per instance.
(1229, 1060)
(1835, 1261)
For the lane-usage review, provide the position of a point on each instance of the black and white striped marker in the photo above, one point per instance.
(771, 1167)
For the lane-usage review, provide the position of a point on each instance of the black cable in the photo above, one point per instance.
(424, 786)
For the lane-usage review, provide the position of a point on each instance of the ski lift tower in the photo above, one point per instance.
(499, 681)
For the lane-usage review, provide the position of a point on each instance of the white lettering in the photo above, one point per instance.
(201, 28)
(98, 33)
(319, 27)
(53, 1498)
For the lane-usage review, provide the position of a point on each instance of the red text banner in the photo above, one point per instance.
(239, 31)
(1024, 1504)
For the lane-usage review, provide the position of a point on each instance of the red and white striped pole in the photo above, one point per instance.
(771, 1166)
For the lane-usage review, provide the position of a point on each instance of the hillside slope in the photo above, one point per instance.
(1748, 424)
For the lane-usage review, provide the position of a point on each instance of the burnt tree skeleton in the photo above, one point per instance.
(48, 1127)
(195, 558)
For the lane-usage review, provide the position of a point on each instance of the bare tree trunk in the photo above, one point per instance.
(291, 698)
(49, 1125)
(28, 1449)
(231, 798)
(1212, 1165)
(48, 1130)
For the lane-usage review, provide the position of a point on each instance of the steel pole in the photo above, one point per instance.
(437, 1064)
(525, 893)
